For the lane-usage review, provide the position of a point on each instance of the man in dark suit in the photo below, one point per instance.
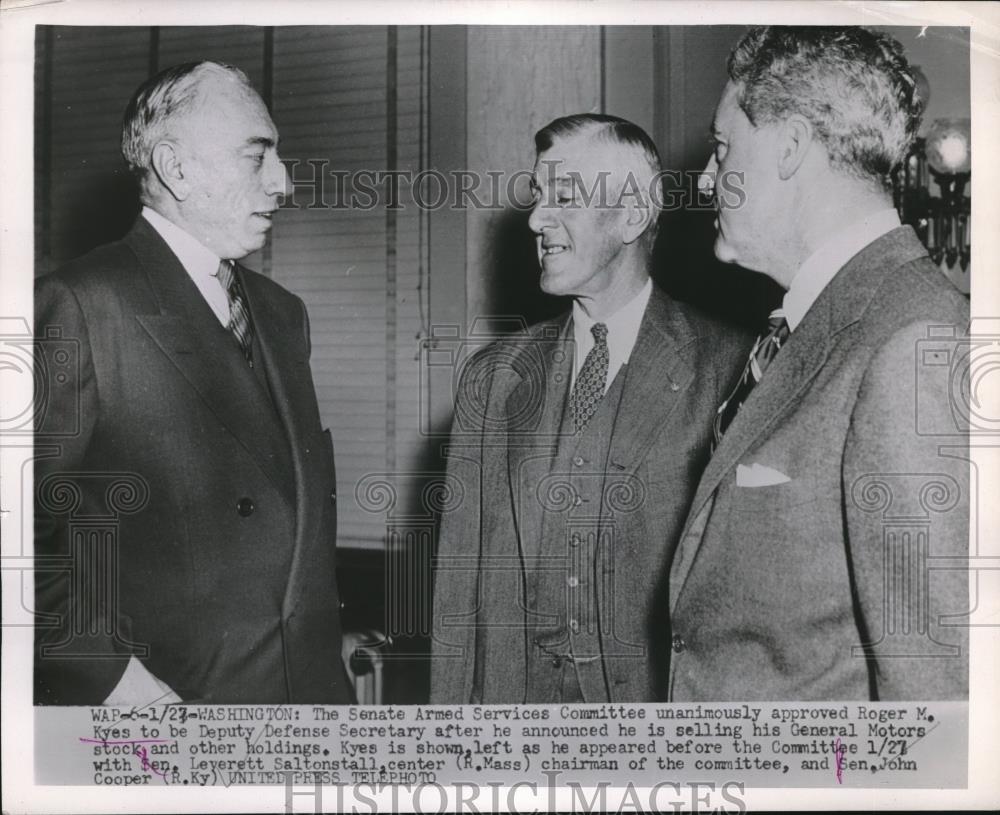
(185, 515)
(823, 555)
(576, 447)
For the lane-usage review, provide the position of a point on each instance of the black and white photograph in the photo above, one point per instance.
(403, 400)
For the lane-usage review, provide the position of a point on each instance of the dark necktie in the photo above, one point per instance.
(764, 350)
(589, 388)
(239, 314)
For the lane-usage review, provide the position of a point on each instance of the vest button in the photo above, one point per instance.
(245, 507)
(333, 496)
(572, 581)
(679, 644)
(578, 461)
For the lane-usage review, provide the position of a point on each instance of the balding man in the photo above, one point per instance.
(198, 435)
(576, 448)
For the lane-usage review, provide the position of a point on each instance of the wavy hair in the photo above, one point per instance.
(854, 85)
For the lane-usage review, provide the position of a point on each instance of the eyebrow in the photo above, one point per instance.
(559, 179)
(262, 141)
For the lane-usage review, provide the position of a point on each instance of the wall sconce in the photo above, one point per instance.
(943, 221)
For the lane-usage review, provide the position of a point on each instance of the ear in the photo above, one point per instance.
(794, 140)
(637, 220)
(167, 165)
(639, 214)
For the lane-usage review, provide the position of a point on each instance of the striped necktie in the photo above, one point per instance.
(764, 350)
(239, 313)
(589, 388)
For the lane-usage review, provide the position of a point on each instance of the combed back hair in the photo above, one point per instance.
(159, 100)
(853, 84)
(612, 130)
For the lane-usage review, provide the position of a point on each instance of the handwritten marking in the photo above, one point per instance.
(137, 750)
(144, 758)
(838, 752)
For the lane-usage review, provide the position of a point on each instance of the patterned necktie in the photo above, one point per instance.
(239, 314)
(764, 350)
(589, 388)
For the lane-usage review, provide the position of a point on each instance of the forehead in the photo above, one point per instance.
(728, 113)
(582, 155)
(228, 111)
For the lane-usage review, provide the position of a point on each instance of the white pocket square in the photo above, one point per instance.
(757, 475)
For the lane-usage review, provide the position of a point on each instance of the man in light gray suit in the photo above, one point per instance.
(822, 556)
(576, 448)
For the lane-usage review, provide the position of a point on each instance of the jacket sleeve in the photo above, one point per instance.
(906, 501)
(76, 661)
(457, 561)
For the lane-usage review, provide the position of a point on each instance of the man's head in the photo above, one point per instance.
(204, 150)
(594, 215)
(812, 117)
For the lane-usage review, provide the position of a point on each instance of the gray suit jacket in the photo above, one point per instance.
(508, 411)
(836, 583)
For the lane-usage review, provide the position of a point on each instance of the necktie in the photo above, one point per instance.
(764, 350)
(239, 314)
(589, 388)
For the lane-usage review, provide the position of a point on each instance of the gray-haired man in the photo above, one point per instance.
(199, 430)
(823, 554)
(578, 447)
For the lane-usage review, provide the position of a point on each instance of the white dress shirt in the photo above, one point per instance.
(201, 263)
(821, 266)
(623, 328)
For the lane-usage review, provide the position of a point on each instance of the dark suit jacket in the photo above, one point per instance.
(182, 515)
(508, 409)
(775, 589)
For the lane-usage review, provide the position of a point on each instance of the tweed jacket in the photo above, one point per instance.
(823, 556)
(509, 408)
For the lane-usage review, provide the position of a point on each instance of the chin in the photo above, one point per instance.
(549, 283)
(724, 252)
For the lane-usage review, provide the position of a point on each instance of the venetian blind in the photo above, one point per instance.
(348, 99)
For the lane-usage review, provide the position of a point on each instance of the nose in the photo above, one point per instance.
(706, 179)
(277, 180)
(540, 217)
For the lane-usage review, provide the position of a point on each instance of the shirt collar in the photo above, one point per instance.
(200, 263)
(821, 266)
(623, 328)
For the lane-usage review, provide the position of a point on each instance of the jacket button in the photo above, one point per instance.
(245, 507)
(333, 496)
(679, 644)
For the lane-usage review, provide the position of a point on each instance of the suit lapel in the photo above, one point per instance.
(791, 371)
(656, 379)
(545, 367)
(286, 361)
(191, 337)
(839, 305)
(798, 363)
